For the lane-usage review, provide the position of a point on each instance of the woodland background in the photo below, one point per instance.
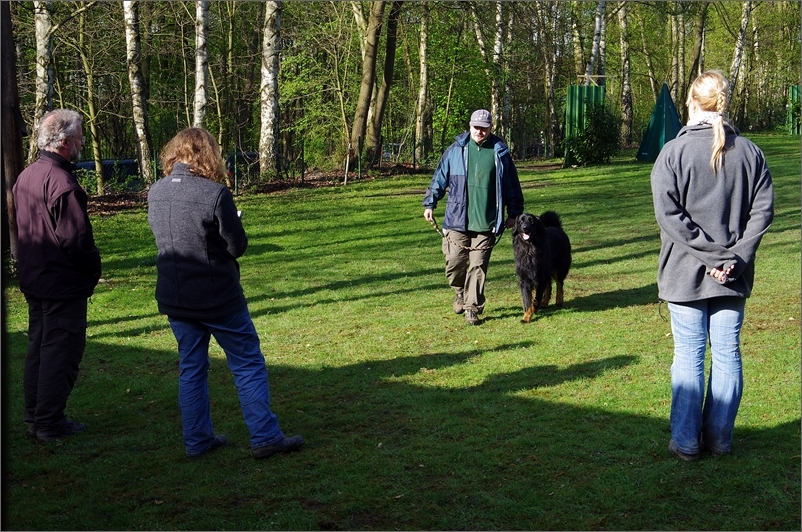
(307, 81)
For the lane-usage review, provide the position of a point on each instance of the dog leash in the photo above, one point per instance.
(467, 248)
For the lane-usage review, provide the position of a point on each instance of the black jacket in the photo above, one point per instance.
(56, 253)
(199, 237)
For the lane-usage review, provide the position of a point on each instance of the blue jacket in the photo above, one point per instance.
(451, 175)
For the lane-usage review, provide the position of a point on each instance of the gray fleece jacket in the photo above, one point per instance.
(709, 219)
(199, 237)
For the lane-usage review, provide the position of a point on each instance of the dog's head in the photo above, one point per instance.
(528, 227)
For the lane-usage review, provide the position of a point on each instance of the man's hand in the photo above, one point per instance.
(428, 215)
(510, 223)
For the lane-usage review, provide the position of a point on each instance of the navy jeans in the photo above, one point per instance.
(237, 336)
(56, 342)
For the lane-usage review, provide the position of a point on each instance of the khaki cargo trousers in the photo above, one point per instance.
(466, 269)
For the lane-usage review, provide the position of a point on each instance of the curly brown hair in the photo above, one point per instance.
(199, 150)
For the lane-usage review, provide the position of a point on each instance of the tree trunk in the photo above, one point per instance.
(268, 92)
(447, 117)
(594, 51)
(548, 21)
(44, 72)
(373, 140)
(422, 107)
(601, 65)
(673, 85)
(495, 81)
(649, 65)
(626, 87)
(201, 61)
(737, 55)
(91, 108)
(359, 127)
(699, 34)
(12, 126)
(137, 82)
(579, 54)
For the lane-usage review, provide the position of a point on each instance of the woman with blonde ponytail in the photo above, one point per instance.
(714, 201)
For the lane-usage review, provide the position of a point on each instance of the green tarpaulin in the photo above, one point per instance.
(663, 126)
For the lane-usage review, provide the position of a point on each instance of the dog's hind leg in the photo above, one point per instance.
(544, 301)
(559, 299)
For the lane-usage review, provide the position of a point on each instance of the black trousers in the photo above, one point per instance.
(56, 342)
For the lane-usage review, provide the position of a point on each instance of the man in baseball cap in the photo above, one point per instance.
(474, 208)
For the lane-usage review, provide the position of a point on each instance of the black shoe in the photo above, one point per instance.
(219, 441)
(679, 454)
(458, 303)
(31, 431)
(283, 446)
(470, 317)
(67, 428)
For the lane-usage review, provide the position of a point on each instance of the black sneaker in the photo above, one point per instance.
(219, 441)
(458, 304)
(470, 317)
(282, 446)
(67, 428)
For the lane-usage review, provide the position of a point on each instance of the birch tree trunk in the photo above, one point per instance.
(373, 138)
(44, 71)
(11, 124)
(675, 30)
(495, 90)
(737, 55)
(201, 61)
(626, 86)
(594, 51)
(268, 92)
(495, 60)
(601, 67)
(548, 29)
(359, 127)
(422, 109)
(649, 64)
(133, 59)
(579, 54)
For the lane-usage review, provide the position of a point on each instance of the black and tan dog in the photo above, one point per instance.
(542, 252)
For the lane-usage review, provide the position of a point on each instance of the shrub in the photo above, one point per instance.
(599, 140)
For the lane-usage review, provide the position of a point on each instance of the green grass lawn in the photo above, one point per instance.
(413, 419)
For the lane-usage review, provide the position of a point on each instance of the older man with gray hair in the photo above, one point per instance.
(59, 267)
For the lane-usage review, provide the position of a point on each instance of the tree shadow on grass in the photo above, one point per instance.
(430, 441)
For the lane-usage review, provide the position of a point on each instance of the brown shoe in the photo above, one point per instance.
(470, 317)
(283, 446)
(458, 304)
(679, 454)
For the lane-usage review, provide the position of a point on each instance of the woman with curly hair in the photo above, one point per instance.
(199, 237)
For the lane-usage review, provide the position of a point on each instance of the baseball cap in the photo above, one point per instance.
(481, 118)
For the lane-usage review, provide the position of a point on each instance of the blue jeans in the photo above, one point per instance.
(719, 320)
(237, 336)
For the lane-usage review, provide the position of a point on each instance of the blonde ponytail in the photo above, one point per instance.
(709, 91)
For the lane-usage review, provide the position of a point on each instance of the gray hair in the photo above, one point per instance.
(55, 126)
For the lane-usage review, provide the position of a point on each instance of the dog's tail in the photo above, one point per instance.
(551, 219)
